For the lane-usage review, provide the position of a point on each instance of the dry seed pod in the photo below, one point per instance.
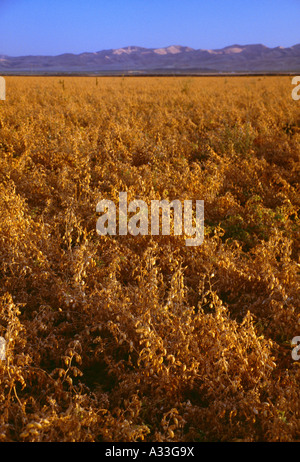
(171, 433)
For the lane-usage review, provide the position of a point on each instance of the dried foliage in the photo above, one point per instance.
(123, 338)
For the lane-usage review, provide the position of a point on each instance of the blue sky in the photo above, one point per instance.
(51, 27)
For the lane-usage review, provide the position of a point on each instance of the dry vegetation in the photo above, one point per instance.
(143, 338)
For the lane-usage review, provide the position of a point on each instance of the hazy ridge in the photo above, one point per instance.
(235, 58)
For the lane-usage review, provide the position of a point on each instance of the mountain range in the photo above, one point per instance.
(255, 58)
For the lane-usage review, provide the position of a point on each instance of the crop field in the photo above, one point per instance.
(128, 338)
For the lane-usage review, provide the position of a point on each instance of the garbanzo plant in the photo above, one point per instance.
(141, 338)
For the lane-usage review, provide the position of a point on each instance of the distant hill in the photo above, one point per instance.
(175, 58)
